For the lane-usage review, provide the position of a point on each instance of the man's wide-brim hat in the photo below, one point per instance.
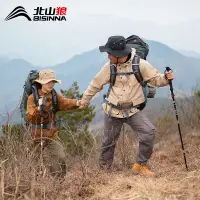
(116, 46)
(46, 76)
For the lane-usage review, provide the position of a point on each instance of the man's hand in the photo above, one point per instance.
(170, 75)
(83, 103)
(78, 103)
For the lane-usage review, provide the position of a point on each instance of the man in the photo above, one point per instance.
(52, 150)
(122, 100)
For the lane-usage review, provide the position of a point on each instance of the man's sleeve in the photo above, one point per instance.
(96, 85)
(151, 75)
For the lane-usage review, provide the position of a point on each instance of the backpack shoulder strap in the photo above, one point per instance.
(54, 101)
(35, 95)
(113, 73)
(136, 70)
(54, 98)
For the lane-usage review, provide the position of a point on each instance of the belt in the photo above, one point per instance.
(121, 106)
(124, 106)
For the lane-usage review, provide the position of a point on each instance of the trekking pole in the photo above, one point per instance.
(124, 159)
(41, 133)
(179, 129)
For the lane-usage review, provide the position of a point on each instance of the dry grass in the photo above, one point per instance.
(171, 181)
(20, 180)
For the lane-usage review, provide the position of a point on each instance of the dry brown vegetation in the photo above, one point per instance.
(20, 179)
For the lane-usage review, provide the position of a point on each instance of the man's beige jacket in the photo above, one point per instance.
(126, 88)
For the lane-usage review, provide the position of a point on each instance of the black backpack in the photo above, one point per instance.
(142, 50)
(32, 88)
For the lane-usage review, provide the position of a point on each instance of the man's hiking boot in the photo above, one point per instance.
(141, 169)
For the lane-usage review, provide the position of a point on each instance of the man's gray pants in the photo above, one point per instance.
(112, 128)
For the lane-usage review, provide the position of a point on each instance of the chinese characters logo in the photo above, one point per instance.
(40, 14)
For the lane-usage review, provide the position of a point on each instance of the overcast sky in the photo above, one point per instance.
(90, 22)
(158, 11)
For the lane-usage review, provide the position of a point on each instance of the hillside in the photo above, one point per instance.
(84, 67)
(20, 177)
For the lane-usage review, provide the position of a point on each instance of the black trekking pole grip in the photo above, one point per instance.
(168, 69)
(42, 107)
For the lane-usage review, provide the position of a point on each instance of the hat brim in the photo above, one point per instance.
(118, 53)
(46, 81)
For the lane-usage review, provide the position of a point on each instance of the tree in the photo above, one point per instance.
(74, 124)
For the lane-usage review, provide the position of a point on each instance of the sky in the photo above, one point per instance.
(89, 23)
